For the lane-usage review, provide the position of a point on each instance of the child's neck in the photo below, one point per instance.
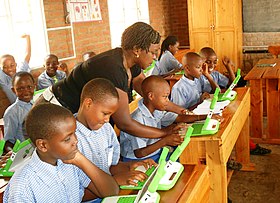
(189, 76)
(45, 158)
(149, 106)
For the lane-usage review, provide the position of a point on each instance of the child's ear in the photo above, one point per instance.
(150, 95)
(88, 102)
(42, 145)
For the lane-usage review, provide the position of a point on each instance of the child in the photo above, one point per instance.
(189, 90)
(57, 171)
(97, 138)
(23, 85)
(63, 67)
(87, 55)
(51, 75)
(151, 112)
(210, 58)
(8, 67)
(167, 61)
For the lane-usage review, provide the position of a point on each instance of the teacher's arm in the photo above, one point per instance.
(125, 123)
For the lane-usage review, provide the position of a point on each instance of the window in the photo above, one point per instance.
(123, 13)
(18, 17)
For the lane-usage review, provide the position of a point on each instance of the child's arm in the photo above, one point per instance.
(206, 73)
(230, 67)
(28, 48)
(193, 118)
(102, 184)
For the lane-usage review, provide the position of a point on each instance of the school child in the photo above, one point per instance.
(167, 61)
(97, 138)
(23, 85)
(87, 55)
(8, 67)
(189, 90)
(151, 112)
(210, 57)
(63, 67)
(57, 171)
(51, 75)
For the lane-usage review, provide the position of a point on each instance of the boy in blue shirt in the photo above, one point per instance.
(57, 171)
(51, 75)
(8, 67)
(190, 89)
(151, 112)
(23, 85)
(97, 138)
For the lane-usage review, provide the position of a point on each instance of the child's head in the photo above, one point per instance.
(209, 56)
(51, 64)
(8, 64)
(192, 63)
(23, 85)
(51, 128)
(99, 100)
(171, 44)
(155, 92)
(87, 55)
(63, 67)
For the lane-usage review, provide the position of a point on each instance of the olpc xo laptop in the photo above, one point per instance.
(230, 94)
(21, 153)
(172, 169)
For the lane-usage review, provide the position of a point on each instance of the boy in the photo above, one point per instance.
(57, 171)
(51, 75)
(8, 67)
(23, 85)
(210, 58)
(189, 90)
(151, 112)
(97, 138)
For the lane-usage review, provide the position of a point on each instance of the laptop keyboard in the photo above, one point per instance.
(148, 173)
(126, 199)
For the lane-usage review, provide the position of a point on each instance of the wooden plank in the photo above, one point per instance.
(272, 72)
(273, 114)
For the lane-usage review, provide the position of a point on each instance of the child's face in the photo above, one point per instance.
(174, 48)
(194, 68)
(212, 62)
(63, 145)
(9, 66)
(160, 98)
(51, 65)
(98, 113)
(24, 88)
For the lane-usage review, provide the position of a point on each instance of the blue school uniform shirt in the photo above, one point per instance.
(39, 181)
(14, 117)
(100, 146)
(166, 63)
(129, 143)
(6, 81)
(45, 81)
(219, 78)
(186, 92)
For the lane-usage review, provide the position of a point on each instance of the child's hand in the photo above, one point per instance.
(130, 177)
(205, 69)
(205, 95)
(173, 140)
(227, 62)
(75, 160)
(186, 112)
(147, 163)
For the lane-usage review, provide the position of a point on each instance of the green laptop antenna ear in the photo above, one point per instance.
(212, 106)
(163, 155)
(2, 145)
(180, 148)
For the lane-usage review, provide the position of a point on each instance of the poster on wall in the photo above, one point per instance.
(84, 10)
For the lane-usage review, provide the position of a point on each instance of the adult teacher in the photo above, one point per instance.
(122, 66)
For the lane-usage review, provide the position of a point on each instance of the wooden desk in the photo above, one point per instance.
(192, 186)
(217, 148)
(270, 76)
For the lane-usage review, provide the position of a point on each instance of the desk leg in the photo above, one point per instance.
(242, 148)
(256, 108)
(217, 172)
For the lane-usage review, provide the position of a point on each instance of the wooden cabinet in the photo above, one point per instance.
(217, 24)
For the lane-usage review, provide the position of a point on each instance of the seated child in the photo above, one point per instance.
(51, 75)
(8, 67)
(210, 58)
(167, 61)
(189, 90)
(97, 138)
(63, 67)
(151, 112)
(57, 171)
(23, 85)
(87, 55)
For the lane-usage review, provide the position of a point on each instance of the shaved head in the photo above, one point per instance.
(153, 83)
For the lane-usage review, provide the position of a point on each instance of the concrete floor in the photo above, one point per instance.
(262, 185)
